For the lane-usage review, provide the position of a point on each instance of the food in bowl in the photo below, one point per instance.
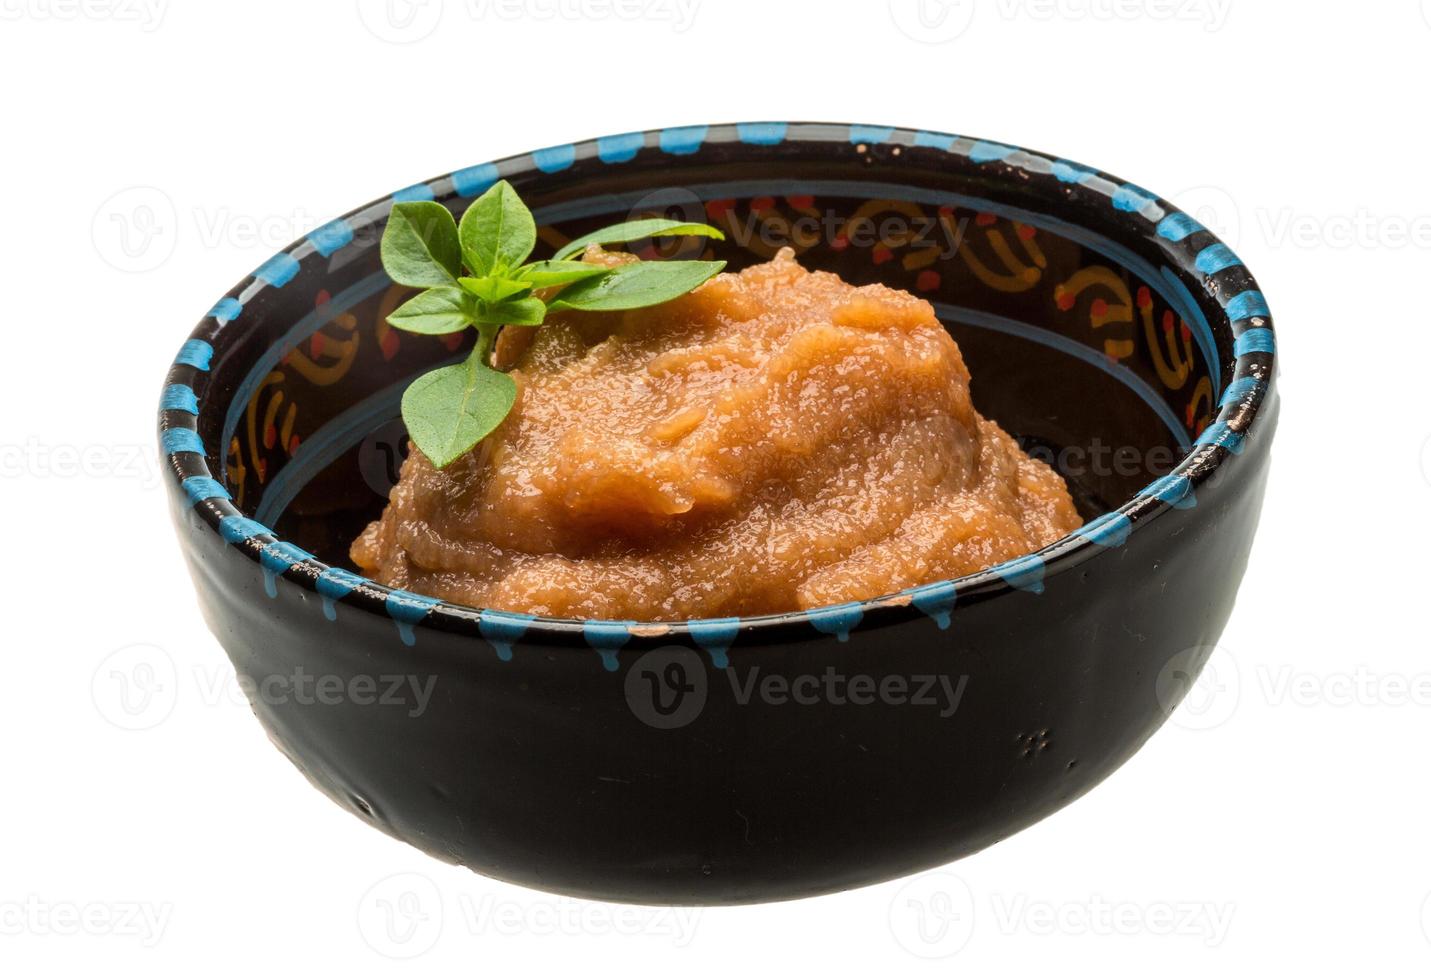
(659, 762)
(776, 439)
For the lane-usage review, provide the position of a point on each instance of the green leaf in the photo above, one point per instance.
(555, 272)
(497, 231)
(636, 285)
(419, 246)
(450, 410)
(493, 289)
(525, 312)
(439, 310)
(630, 231)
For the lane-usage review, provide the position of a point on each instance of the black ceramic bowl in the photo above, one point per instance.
(776, 756)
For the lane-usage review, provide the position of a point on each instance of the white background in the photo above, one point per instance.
(1281, 825)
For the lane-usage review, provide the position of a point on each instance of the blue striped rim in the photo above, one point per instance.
(331, 237)
(761, 134)
(195, 354)
(417, 192)
(619, 148)
(683, 140)
(1245, 306)
(179, 398)
(181, 441)
(1176, 227)
(277, 271)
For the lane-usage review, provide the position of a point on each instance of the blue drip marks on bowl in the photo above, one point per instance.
(407, 610)
(936, 601)
(715, 636)
(503, 629)
(607, 637)
(837, 620)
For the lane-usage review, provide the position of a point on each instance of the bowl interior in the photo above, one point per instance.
(1081, 343)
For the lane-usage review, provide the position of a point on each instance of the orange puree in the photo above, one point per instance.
(775, 440)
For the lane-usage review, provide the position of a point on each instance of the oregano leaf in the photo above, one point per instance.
(556, 272)
(439, 310)
(525, 312)
(493, 289)
(420, 245)
(497, 232)
(630, 231)
(635, 285)
(452, 409)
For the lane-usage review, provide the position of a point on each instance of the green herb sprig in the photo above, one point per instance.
(475, 274)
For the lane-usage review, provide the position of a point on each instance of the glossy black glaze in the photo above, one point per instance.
(550, 769)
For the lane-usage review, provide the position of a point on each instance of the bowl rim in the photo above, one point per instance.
(1242, 318)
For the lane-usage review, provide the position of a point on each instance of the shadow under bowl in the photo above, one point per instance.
(739, 760)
